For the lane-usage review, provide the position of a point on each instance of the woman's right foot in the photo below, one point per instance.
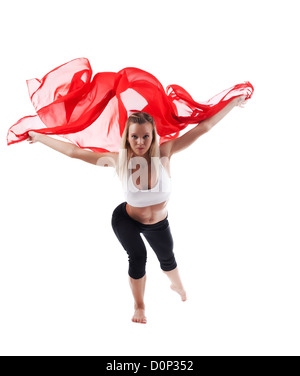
(139, 315)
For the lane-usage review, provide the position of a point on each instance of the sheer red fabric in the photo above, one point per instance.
(91, 113)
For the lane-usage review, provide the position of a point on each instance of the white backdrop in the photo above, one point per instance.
(234, 209)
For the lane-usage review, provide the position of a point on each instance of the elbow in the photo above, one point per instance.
(73, 151)
(207, 126)
(204, 126)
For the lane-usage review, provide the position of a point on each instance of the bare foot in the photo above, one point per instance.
(139, 316)
(181, 292)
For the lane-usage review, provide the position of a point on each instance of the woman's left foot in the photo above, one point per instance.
(181, 292)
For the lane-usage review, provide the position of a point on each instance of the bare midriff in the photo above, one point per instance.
(148, 214)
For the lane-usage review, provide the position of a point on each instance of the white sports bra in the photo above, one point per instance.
(147, 197)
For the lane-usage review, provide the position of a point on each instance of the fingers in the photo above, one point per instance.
(242, 104)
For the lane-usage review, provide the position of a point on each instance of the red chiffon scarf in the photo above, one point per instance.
(91, 113)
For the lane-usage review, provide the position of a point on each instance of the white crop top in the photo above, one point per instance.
(147, 197)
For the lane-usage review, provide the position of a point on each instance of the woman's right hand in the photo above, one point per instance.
(32, 137)
(240, 100)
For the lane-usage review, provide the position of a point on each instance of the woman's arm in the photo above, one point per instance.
(73, 151)
(213, 120)
(61, 146)
(107, 159)
(168, 148)
(101, 159)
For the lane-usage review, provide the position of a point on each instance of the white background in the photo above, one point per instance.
(234, 209)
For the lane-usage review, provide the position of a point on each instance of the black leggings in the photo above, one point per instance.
(158, 236)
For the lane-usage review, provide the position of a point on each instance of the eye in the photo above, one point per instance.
(136, 136)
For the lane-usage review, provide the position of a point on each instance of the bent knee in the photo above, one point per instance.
(137, 267)
(168, 264)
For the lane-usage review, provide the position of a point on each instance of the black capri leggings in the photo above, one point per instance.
(158, 236)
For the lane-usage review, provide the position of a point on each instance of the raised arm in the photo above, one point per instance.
(170, 147)
(73, 151)
(65, 148)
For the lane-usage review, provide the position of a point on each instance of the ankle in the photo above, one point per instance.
(139, 305)
(177, 286)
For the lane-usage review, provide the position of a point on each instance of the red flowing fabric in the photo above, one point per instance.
(91, 113)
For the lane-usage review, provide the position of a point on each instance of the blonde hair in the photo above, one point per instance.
(125, 148)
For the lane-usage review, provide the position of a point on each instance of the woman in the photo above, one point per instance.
(146, 190)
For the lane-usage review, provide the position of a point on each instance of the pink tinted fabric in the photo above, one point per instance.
(91, 112)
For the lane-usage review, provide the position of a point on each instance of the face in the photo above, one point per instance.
(140, 137)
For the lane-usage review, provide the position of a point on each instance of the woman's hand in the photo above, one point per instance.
(33, 137)
(241, 101)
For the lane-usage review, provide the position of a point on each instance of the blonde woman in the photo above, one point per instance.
(144, 169)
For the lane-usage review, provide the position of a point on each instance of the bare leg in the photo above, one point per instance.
(176, 283)
(138, 290)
